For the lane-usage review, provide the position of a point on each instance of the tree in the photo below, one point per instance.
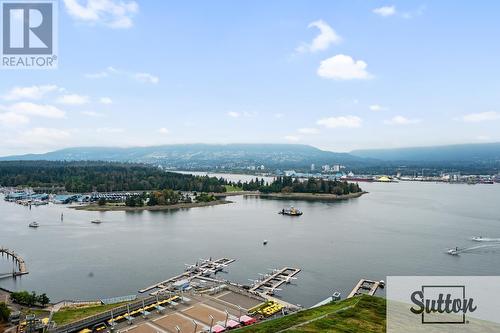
(4, 312)
(101, 202)
(43, 299)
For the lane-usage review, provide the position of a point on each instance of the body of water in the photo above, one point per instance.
(396, 229)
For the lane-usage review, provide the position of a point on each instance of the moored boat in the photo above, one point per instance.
(96, 221)
(292, 211)
(34, 224)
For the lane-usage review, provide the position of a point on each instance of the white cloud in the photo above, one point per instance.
(321, 42)
(483, 138)
(400, 120)
(105, 100)
(98, 75)
(112, 13)
(32, 109)
(13, 119)
(480, 116)
(92, 114)
(73, 99)
(308, 130)
(341, 121)
(137, 76)
(278, 115)
(343, 67)
(110, 130)
(163, 130)
(292, 138)
(385, 11)
(41, 136)
(146, 78)
(233, 114)
(377, 107)
(33, 92)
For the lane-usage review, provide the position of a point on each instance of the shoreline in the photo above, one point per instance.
(96, 208)
(310, 196)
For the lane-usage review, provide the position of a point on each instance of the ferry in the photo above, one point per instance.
(292, 211)
(34, 225)
(96, 221)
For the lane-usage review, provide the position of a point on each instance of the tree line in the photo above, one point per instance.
(89, 176)
(84, 177)
(295, 185)
(29, 299)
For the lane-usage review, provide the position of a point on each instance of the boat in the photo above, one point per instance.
(34, 225)
(292, 211)
(454, 252)
(484, 239)
(96, 221)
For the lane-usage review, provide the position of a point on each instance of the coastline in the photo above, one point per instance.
(97, 208)
(310, 196)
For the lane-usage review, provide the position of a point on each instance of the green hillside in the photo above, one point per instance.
(365, 314)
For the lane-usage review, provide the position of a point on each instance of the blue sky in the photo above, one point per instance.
(339, 75)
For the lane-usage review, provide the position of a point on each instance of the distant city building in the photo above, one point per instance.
(313, 167)
(290, 173)
(336, 168)
(325, 168)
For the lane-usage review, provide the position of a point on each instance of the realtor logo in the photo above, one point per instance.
(442, 304)
(29, 34)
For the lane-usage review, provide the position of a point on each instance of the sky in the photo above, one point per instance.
(338, 75)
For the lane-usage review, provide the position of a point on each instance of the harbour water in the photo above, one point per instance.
(396, 229)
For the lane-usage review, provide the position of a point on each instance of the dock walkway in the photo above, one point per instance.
(364, 286)
(21, 265)
(274, 280)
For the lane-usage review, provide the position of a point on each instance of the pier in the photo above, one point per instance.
(273, 281)
(365, 287)
(17, 260)
(205, 268)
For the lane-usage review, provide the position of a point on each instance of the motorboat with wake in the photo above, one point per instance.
(484, 239)
(454, 252)
(34, 224)
(292, 211)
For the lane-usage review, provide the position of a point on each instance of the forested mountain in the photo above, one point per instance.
(205, 156)
(483, 152)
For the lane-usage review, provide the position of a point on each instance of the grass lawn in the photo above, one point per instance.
(231, 188)
(71, 314)
(365, 314)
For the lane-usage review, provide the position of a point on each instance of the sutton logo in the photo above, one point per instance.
(442, 302)
(29, 34)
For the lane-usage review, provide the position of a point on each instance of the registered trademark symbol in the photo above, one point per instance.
(54, 57)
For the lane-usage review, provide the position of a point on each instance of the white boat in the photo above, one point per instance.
(34, 224)
(454, 252)
(96, 221)
(485, 239)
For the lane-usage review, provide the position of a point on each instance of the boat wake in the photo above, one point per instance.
(475, 249)
(485, 239)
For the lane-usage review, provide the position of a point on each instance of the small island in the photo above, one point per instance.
(304, 189)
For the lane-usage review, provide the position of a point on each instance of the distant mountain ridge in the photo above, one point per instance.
(480, 152)
(203, 155)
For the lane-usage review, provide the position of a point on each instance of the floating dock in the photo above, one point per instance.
(365, 287)
(273, 281)
(206, 268)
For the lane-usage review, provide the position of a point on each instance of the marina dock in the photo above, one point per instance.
(273, 281)
(365, 287)
(205, 268)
